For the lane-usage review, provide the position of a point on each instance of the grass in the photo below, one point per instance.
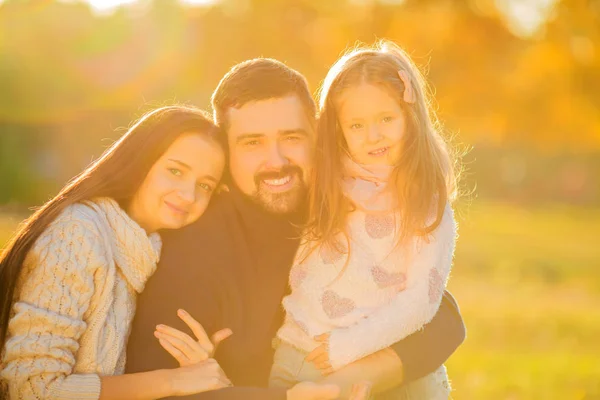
(528, 283)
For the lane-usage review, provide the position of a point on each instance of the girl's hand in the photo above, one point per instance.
(320, 355)
(200, 377)
(185, 349)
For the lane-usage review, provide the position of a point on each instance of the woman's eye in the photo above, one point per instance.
(356, 126)
(175, 171)
(252, 143)
(205, 187)
(388, 119)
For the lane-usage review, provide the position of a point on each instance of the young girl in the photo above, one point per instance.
(70, 276)
(381, 233)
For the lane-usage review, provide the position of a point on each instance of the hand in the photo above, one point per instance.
(185, 349)
(313, 391)
(200, 377)
(320, 355)
(360, 391)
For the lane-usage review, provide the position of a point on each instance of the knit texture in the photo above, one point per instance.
(74, 302)
(368, 293)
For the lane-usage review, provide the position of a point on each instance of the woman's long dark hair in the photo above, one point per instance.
(118, 174)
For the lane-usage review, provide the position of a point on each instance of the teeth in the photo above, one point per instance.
(278, 182)
(380, 151)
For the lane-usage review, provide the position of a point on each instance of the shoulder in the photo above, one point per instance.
(77, 227)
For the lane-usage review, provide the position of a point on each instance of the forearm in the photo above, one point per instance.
(426, 350)
(140, 386)
(240, 393)
(383, 369)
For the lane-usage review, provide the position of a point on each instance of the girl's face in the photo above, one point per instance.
(179, 185)
(373, 124)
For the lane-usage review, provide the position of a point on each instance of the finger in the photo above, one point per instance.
(315, 353)
(219, 336)
(198, 330)
(322, 338)
(323, 365)
(193, 351)
(321, 358)
(174, 352)
(176, 333)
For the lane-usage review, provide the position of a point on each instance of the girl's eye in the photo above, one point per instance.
(356, 126)
(388, 119)
(252, 143)
(175, 171)
(205, 187)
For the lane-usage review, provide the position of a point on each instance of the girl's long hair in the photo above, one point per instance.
(118, 174)
(424, 177)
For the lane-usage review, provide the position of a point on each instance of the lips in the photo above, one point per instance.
(176, 209)
(379, 152)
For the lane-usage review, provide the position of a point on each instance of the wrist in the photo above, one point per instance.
(169, 382)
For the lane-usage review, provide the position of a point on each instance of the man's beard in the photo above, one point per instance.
(284, 202)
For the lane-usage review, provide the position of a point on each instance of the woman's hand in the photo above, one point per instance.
(320, 355)
(200, 377)
(184, 348)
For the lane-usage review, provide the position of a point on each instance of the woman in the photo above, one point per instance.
(70, 276)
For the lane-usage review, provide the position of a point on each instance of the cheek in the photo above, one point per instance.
(198, 209)
(395, 132)
(243, 167)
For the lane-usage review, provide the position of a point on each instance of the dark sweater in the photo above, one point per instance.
(230, 270)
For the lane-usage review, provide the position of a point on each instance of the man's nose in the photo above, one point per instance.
(275, 157)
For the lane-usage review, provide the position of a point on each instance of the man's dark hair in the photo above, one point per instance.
(256, 80)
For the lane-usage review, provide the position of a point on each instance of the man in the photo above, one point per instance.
(230, 269)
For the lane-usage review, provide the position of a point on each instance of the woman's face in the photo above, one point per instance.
(373, 124)
(179, 185)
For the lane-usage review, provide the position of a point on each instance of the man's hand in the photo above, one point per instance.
(313, 391)
(320, 355)
(185, 349)
(361, 391)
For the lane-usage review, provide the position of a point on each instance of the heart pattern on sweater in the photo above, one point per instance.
(297, 276)
(331, 254)
(385, 279)
(379, 226)
(336, 306)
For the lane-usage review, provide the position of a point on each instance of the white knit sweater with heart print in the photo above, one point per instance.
(371, 295)
(74, 302)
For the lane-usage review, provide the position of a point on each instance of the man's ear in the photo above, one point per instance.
(222, 188)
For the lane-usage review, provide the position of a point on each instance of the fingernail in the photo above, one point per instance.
(181, 312)
(159, 326)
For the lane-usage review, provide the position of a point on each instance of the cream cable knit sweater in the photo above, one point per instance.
(74, 303)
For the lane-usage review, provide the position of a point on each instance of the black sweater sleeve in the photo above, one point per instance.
(426, 350)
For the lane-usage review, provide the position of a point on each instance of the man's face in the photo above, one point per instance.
(271, 148)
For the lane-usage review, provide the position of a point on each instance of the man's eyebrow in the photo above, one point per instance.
(246, 136)
(298, 131)
(184, 165)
